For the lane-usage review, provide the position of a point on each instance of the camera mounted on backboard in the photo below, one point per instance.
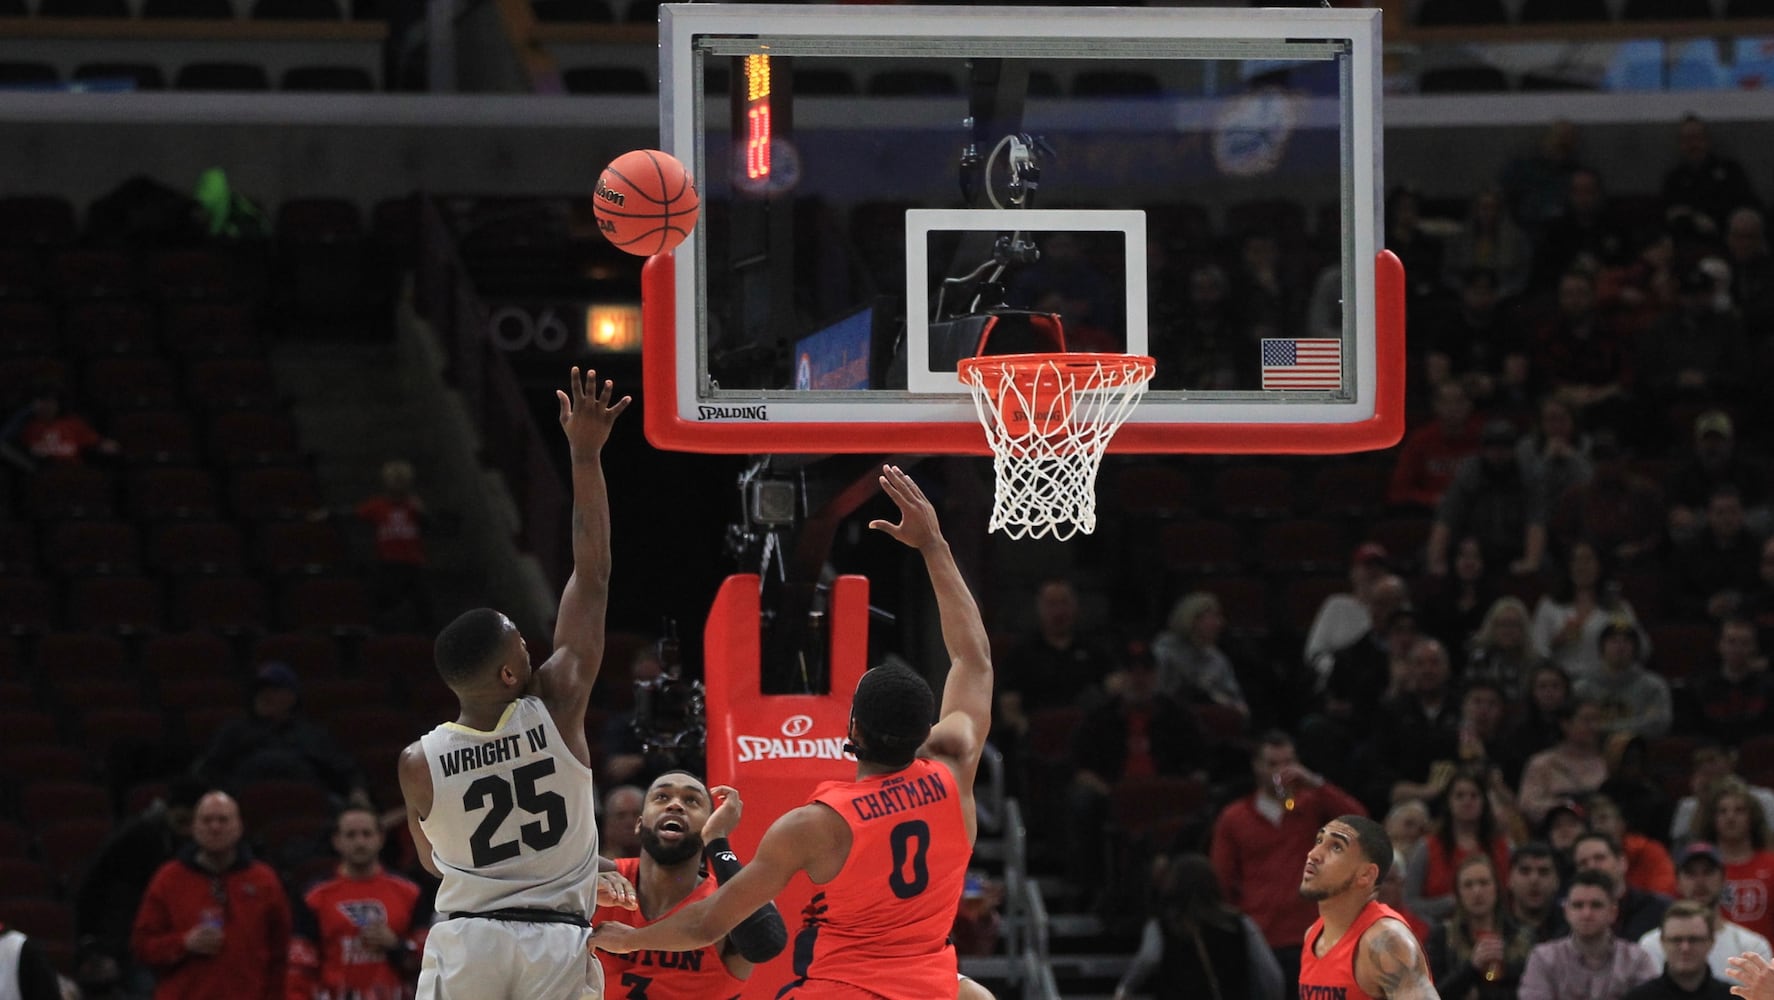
(670, 710)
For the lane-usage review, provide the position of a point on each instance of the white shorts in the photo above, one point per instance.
(473, 958)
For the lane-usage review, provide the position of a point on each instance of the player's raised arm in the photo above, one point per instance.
(966, 713)
(586, 415)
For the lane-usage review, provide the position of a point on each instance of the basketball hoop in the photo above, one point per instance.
(1048, 419)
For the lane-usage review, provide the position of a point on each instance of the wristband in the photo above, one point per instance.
(721, 860)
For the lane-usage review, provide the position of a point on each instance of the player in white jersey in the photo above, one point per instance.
(500, 801)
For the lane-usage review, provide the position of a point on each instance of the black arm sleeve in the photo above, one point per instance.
(761, 936)
(36, 976)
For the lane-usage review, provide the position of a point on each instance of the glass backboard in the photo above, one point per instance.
(879, 184)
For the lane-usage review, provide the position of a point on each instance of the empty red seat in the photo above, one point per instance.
(1206, 546)
(29, 604)
(20, 377)
(26, 328)
(15, 840)
(1151, 490)
(326, 697)
(1254, 491)
(44, 802)
(46, 920)
(1306, 545)
(340, 606)
(18, 548)
(41, 220)
(115, 326)
(203, 722)
(92, 547)
(192, 273)
(156, 437)
(181, 694)
(124, 728)
(161, 494)
(65, 655)
(126, 605)
(1302, 595)
(1138, 806)
(25, 726)
(218, 383)
(309, 654)
(265, 801)
(212, 329)
(47, 762)
(1350, 489)
(246, 437)
(187, 654)
(404, 656)
(59, 491)
(22, 878)
(273, 493)
(132, 383)
(69, 846)
(94, 274)
(231, 605)
(289, 547)
(190, 548)
(1679, 649)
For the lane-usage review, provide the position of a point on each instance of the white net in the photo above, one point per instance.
(1048, 419)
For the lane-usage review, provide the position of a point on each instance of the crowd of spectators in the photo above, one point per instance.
(1557, 690)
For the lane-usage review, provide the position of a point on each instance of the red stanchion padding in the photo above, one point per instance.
(776, 748)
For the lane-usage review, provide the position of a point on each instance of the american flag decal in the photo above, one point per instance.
(1314, 363)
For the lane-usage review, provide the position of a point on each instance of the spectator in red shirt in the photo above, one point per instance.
(44, 432)
(214, 921)
(1283, 814)
(398, 518)
(1430, 454)
(358, 935)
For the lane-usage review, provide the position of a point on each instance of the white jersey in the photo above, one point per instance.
(513, 822)
(12, 945)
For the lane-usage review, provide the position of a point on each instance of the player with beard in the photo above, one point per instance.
(1359, 948)
(888, 852)
(680, 824)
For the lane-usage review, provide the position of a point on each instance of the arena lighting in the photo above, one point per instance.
(613, 327)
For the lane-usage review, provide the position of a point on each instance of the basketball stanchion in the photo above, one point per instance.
(1049, 419)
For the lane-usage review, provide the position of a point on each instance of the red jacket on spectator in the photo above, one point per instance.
(1427, 461)
(1259, 862)
(326, 960)
(398, 528)
(255, 921)
(60, 439)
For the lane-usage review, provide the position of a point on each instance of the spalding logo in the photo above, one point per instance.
(795, 747)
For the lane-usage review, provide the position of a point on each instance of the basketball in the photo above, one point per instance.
(646, 202)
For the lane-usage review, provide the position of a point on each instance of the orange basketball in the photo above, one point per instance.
(646, 202)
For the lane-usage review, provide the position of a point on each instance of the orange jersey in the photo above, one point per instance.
(326, 960)
(1331, 976)
(663, 975)
(882, 925)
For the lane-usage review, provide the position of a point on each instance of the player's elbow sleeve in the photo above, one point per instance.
(761, 936)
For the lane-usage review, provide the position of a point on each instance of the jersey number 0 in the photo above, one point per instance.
(494, 792)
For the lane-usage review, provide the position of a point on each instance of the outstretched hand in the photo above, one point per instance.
(917, 525)
(725, 817)
(586, 412)
(1755, 978)
(611, 936)
(615, 890)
